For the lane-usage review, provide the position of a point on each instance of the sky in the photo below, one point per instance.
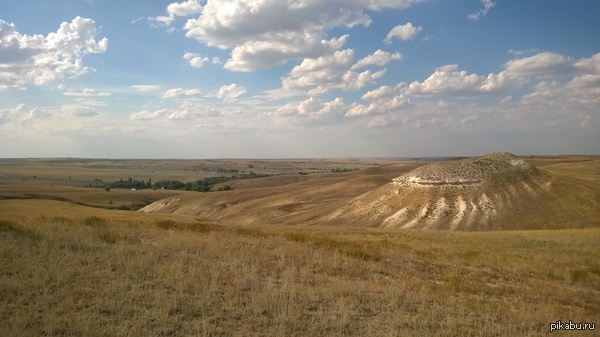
(298, 78)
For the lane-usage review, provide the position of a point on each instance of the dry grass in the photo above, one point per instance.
(71, 270)
(83, 172)
(587, 169)
(92, 274)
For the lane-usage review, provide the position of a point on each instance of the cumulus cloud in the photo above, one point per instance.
(582, 87)
(314, 111)
(186, 112)
(195, 60)
(379, 58)
(13, 115)
(478, 14)
(39, 59)
(281, 47)
(384, 100)
(181, 116)
(187, 8)
(179, 93)
(542, 65)
(231, 92)
(148, 116)
(381, 92)
(83, 106)
(403, 32)
(320, 75)
(80, 110)
(380, 105)
(449, 79)
(563, 91)
(261, 34)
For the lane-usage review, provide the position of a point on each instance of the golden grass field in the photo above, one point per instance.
(67, 269)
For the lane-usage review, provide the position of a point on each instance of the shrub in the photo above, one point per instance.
(108, 237)
(15, 230)
(578, 274)
(166, 224)
(203, 228)
(94, 221)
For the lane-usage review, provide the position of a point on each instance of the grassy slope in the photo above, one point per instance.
(71, 270)
(94, 197)
(559, 201)
(90, 272)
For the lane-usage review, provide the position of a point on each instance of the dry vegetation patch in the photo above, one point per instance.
(92, 275)
(71, 270)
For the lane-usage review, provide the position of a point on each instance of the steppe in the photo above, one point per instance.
(320, 247)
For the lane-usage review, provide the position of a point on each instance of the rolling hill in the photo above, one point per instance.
(495, 192)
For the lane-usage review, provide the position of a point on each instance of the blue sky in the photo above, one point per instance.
(298, 78)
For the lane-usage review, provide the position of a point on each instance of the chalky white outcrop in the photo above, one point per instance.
(495, 191)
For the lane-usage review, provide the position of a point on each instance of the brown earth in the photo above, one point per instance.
(493, 192)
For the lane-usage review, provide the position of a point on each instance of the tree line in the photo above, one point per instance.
(201, 185)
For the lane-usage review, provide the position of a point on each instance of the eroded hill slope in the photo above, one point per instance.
(496, 191)
(493, 192)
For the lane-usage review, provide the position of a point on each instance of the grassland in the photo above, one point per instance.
(67, 269)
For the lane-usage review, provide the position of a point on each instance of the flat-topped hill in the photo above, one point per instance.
(466, 171)
(494, 192)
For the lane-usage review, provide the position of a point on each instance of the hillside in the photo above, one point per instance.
(493, 192)
(289, 199)
(293, 254)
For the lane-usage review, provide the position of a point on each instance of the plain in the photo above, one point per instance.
(68, 269)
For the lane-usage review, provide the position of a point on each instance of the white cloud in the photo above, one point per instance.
(381, 92)
(134, 21)
(13, 115)
(584, 73)
(583, 88)
(187, 8)
(145, 87)
(320, 75)
(230, 23)
(81, 108)
(181, 116)
(281, 47)
(178, 93)
(379, 58)
(231, 92)
(449, 79)
(195, 60)
(381, 105)
(565, 92)
(148, 116)
(403, 32)
(469, 119)
(86, 93)
(265, 33)
(81, 111)
(42, 59)
(312, 111)
(478, 14)
(186, 112)
(542, 65)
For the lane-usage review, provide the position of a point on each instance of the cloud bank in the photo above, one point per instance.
(38, 59)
